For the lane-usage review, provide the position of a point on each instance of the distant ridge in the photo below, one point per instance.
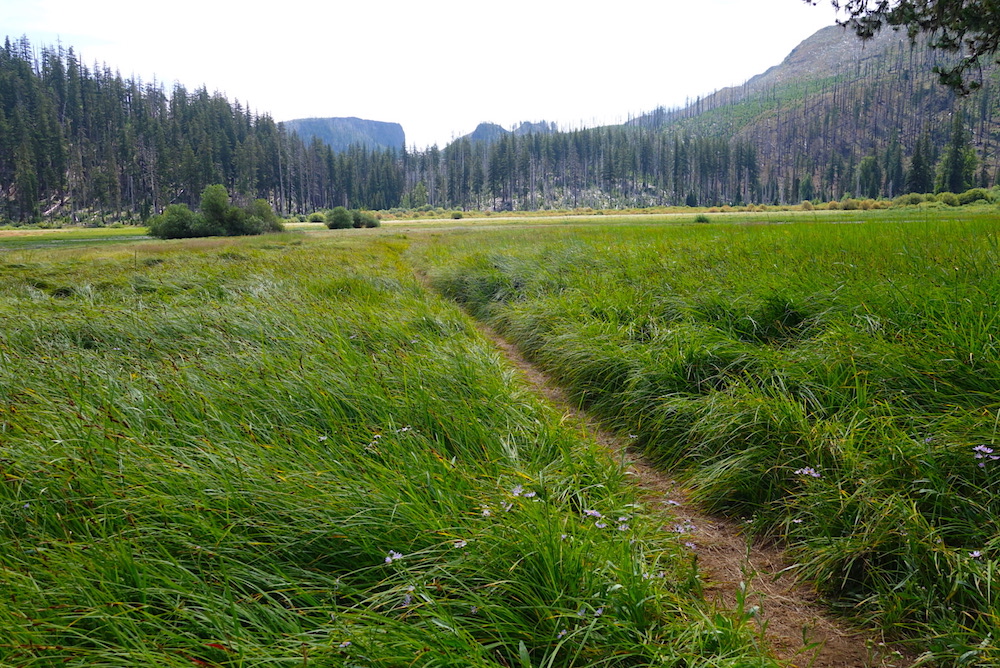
(341, 133)
(491, 132)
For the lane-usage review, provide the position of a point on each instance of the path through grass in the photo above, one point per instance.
(837, 385)
(284, 451)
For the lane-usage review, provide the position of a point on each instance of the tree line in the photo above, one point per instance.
(83, 143)
(79, 142)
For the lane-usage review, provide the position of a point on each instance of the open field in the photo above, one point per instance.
(836, 385)
(285, 451)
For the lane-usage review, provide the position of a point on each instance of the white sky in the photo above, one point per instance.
(438, 67)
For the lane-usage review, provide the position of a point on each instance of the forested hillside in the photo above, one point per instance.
(839, 117)
(836, 119)
(79, 142)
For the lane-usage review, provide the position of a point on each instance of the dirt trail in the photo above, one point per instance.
(798, 629)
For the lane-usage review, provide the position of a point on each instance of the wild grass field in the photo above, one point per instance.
(836, 385)
(286, 451)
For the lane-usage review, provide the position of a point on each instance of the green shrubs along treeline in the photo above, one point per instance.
(217, 217)
(340, 218)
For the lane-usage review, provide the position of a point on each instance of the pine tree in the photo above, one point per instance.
(958, 164)
(920, 178)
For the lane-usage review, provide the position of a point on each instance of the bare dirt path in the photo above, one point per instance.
(797, 628)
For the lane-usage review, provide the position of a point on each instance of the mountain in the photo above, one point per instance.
(491, 132)
(835, 101)
(837, 118)
(340, 133)
(822, 55)
(486, 132)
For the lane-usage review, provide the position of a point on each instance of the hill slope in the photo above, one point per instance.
(838, 118)
(836, 100)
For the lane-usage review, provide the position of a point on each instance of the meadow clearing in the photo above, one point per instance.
(836, 385)
(287, 450)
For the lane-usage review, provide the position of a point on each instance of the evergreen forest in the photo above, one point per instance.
(81, 143)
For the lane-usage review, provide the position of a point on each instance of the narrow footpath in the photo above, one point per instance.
(796, 626)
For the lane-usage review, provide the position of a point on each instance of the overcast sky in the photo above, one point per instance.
(438, 67)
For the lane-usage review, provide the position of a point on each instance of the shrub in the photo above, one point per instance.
(339, 219)
(260, 210)
(217, 217)
(951, 199)
(973, 195)
(176, 222)
(317, 217)
(457, 215)
(806, 205)
(364, 219)
(850, 204)
(910, 199)
(833, 205)
(701, 218)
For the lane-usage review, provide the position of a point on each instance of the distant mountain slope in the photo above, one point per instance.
(340, 133)
(835, 100)
(491, 132)
(822, 55)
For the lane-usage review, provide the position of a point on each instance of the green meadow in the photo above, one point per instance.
(836, 385)
(298, 450)
(286, 450)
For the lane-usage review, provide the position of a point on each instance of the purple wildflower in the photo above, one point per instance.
(393, 556)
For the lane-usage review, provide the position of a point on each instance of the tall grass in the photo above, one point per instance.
(839, 385)
(285, 452)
